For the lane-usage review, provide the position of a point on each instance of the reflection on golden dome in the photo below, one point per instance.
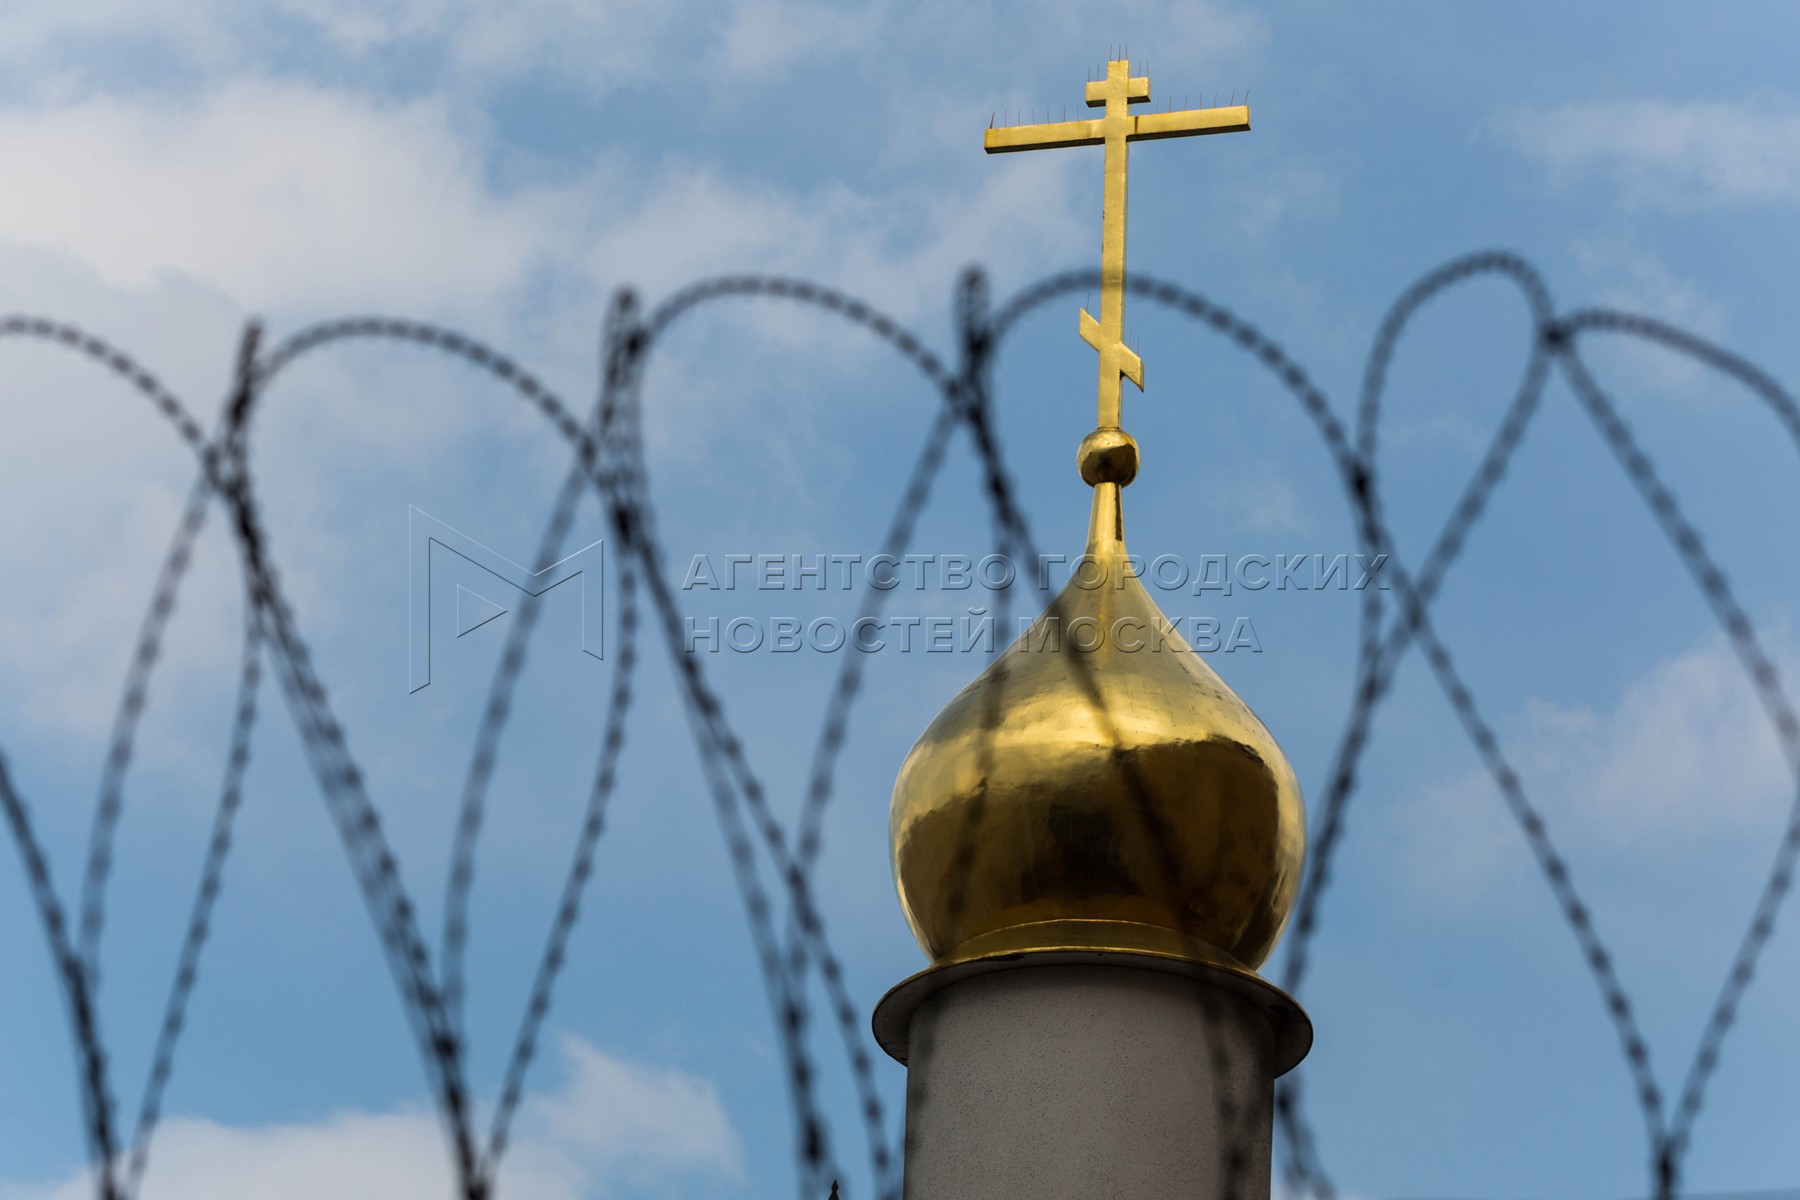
(1098, 786)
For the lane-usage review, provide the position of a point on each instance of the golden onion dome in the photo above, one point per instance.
(1098, 787)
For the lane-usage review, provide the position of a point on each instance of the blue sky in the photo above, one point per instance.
(179, 166)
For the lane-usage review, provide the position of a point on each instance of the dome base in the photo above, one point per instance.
(1292, 1028)
(1088, 933)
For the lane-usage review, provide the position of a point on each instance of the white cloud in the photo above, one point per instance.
(161, 221)
(762, 40)
(613, 1129)
(613, 1117)
(1665, 153)
(1260, 500)
(93, 481)
(1687, 752)
(361, 25)
(50, 45)
(903, 250)
(1620, 273)
(282, 195)
(33, 30)
(1684, 757)
(1289, 188)
(593, 47)
(291, 196)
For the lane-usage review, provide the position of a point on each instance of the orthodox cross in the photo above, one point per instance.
(1116, 130)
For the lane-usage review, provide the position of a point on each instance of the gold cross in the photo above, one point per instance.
(1115, 131)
